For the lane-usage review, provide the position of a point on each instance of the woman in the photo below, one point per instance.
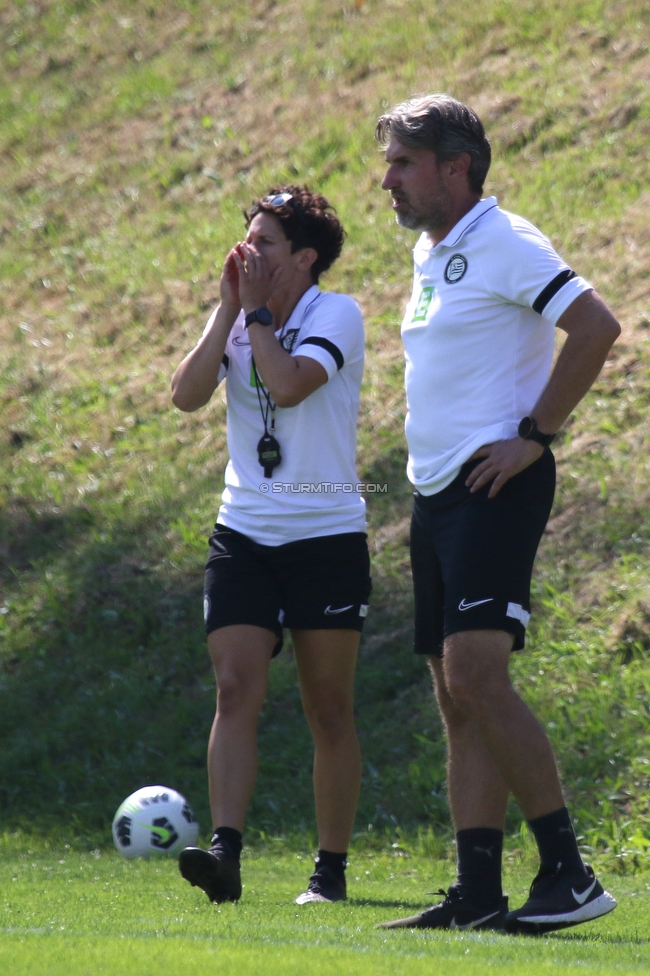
(289, 546)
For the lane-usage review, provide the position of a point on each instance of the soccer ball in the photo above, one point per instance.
(153, 821)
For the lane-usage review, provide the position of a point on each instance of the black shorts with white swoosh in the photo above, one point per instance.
(472, 556)
(311, 584)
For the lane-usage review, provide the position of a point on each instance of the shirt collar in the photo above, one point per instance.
(302, 305)
(460, 229)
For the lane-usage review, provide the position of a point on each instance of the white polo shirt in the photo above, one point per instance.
(478, 337)
(315, 490)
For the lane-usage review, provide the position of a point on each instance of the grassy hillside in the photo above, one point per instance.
(130, 138)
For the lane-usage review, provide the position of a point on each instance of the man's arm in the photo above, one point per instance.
(591, 331)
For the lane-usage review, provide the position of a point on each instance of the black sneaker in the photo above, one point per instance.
(217, 874)
(559, 899)
(324, 885)
(455, 912)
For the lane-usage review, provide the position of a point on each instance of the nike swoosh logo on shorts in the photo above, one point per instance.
(468, 606)
(471, 925)
(582, 897)
(340, 610)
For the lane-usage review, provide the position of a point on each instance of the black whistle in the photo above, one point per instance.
(268, 454)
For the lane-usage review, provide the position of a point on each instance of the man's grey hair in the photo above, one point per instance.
(445, 126)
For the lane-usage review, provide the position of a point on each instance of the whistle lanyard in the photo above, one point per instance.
(268, 449)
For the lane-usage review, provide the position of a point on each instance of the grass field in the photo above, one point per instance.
(130, 137)
(65, 913)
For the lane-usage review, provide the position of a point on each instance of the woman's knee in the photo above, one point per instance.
(240, 658)
(329, 718)
(238, 692)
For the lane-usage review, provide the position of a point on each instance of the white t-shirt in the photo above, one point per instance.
(315, 490)
(478, 337)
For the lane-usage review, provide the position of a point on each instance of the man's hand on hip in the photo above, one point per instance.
(503, 460)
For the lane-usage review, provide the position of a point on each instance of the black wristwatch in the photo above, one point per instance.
(528, 430)
(261, 315)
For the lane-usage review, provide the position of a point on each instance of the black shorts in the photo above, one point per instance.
(472, 556)
(312, 584)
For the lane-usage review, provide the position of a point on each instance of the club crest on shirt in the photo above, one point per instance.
(456, 268)
(289, 339)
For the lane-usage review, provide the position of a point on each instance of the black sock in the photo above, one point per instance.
(556, 841)
(227, 840)
(479, 851)
(335, 862)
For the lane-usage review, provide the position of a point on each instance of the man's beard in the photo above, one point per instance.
(435, 218)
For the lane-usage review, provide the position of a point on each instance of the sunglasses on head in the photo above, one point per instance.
(282, 199)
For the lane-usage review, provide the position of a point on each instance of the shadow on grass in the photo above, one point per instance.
(102, 661)
(28, 535)
(379, 903)
(604, 939)
(395, 502)
(106, 686)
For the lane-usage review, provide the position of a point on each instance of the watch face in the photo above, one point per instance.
(261, 315)
(264, 316)
(526, 427)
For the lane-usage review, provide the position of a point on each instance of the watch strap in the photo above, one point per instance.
(261, 315)
(528, 430)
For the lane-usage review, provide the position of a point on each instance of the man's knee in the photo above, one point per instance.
(475, 666)
(454, 718)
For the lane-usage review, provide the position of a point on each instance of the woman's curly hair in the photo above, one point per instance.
(307, 220)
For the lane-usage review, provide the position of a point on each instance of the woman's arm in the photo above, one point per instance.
(289, 379)
(196, 378)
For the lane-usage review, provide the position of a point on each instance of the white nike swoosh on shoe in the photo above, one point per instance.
(585, 913)
(309, 897)
(468, 606)
(471, 925)
(340, 609)
(582, 897)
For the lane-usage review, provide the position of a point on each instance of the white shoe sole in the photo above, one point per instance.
(308, 897)
(585, 913)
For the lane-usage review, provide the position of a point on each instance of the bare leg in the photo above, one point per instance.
(478, 794)
(240, 655)
(475, 670)
(326, 662)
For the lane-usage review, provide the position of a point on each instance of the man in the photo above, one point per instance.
(482, 409)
